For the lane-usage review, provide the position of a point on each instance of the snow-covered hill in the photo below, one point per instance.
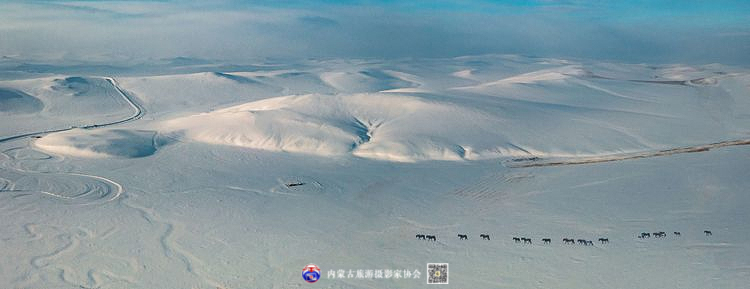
(391, 112)
(239, 178)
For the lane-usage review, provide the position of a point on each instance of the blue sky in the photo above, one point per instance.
(630, 31)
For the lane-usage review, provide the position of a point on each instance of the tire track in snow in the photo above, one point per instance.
(626, 156)
(70, 188)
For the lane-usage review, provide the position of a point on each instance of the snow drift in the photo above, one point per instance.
(378, 126)
(17, 102)
(365, 81)
(536, 109)
(119, 143)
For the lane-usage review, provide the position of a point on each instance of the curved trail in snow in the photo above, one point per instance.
(104, 196)
(527, 163)
(101, 189)
(68, 187)
(137, 114)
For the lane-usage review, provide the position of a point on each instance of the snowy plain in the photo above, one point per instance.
(178, 177)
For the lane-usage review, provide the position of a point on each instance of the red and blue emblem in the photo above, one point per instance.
(311, 273)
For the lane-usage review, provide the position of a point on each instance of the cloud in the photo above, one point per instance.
(237, 30)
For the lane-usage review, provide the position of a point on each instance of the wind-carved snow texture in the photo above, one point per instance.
(556, 110)
(102, 143)
(231, 176)
(365, 125)
(18, 102)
